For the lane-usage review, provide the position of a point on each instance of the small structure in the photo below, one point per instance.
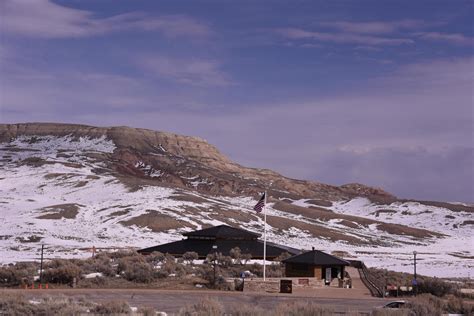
(221, 239)
(315, 264)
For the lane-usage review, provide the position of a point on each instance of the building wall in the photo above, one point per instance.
(318, 272)
(299, 270)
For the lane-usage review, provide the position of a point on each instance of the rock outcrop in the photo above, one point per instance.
(188, 162)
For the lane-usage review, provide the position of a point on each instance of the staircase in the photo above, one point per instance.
(361, 277)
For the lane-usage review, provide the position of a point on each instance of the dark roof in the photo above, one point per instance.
(204, 247)
(222, 232)
(316, 257)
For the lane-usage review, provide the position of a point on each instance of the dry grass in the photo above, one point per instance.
(315, 230)
(320, 202)
(189, 198)
(156, 221)
(18, 305)
(322, 214)
(59, 211)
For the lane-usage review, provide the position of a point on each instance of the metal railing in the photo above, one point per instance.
(370, 282)
(367, 278)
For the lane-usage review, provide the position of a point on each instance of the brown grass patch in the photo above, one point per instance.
(461, 255)
(322, 214)
(378, 212)
(189, 198)
(315, 230)
(320, 202)
(119, 213)
(92, 177)
(73, 165)
(62, 176)
(349, 224)
(313, 213)
(81, 184)
(396, 229)
(449, 206)
(156, 221)
(60, 211)
(36, 162)
(28, 239)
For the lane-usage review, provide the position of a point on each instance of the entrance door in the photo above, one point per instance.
(328, 275)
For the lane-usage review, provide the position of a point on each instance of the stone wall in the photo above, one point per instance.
(272, 285)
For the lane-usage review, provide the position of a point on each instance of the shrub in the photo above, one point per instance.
(301, 308)
(155, 258)
(139, 272)
(435, 286)
(21, 273)
(170, 266)
(126, 261)
(111, 307)
(206, 272)
(236, 255)
(190, 256)
(122, 254)
(282, 256)
(146, 311)
(456, 305)
(61, 271)
(246, 257)
(100, 263)
(390, 312)
(11, 304)
(256, 269)
(206, 307)
(91, 283)
(224, 261)
(422, 309)
(247, 310)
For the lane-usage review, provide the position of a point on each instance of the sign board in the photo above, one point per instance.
(303, 281)
(413, 282)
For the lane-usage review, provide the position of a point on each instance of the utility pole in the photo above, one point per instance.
(41, 264)
(215, 259)
(414, 283)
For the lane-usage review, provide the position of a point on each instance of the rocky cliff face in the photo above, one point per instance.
(189, 162)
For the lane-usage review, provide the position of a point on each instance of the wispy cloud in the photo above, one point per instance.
(341, 38)
(455, 38)
(376, 27)
(45, 19)
(198, 72)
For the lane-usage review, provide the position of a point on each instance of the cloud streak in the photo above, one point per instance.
(376, 27)
(47, 20)
(197, 72)
(454, 38)
(341, 38)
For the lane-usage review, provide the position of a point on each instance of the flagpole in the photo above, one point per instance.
(264, 235)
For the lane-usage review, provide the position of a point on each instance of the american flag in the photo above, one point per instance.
(261, 203)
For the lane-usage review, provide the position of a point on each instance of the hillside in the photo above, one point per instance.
(72, 187)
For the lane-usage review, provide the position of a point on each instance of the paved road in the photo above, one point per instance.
(171, 301)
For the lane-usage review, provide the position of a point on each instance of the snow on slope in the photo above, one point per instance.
(28, 194)
(449, 256)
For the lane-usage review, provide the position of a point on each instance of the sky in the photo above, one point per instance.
(374, 92)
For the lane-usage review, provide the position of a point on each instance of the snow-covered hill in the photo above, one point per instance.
(72, 192)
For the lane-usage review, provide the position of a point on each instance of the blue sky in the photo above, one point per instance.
(376, 92)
